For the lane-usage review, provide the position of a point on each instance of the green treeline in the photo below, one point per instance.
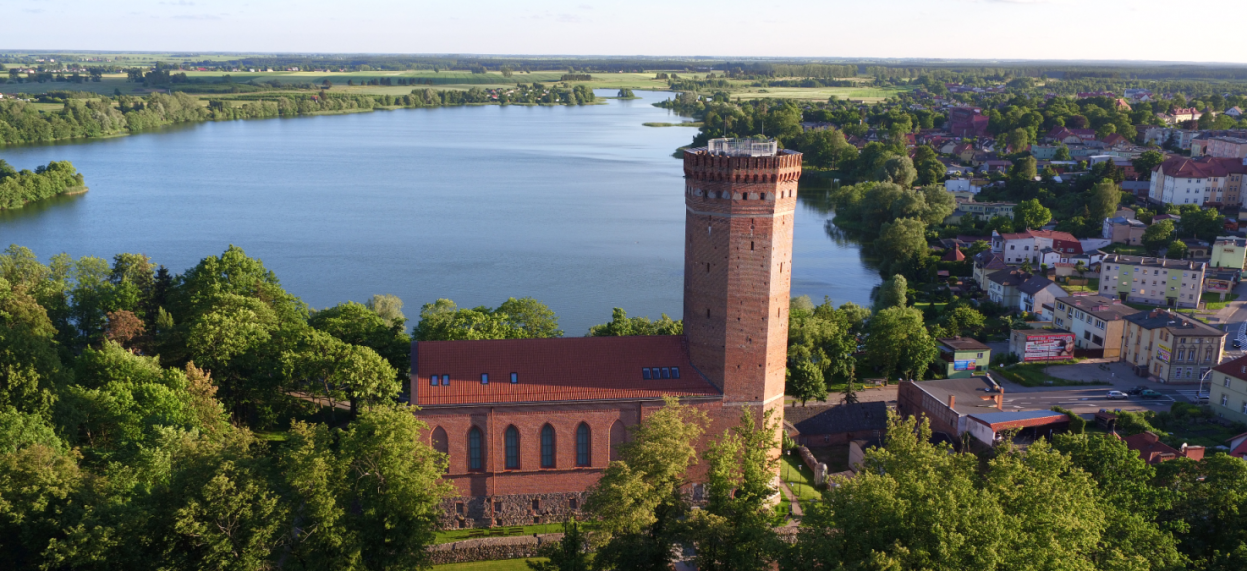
(19, 188)
(22, 123)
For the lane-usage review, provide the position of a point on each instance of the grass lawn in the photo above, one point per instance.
(500, 565)
(1213, 300)
(450, 535)
(1033, 375)
(1093, 286)
(798, 477)
(1125, 249)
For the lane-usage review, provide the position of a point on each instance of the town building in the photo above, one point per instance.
(985, 264)
(1170, 347)
(967, 122)
(1238, 446)
(1227, 390)
(1221, 147)
(1038, 295)
(1154, 281)
(974, 406)
(1122, 230)
(1096, 321)
(530, 424)
(1018, 247)
(1002, 287)
(981, 210)
(825, 425)
(1041, 344)
(1229, 252)
(964, 356)
(1182, 180)
(1153, 451)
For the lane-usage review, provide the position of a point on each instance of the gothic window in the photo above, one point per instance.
(582, 445)
(547, 446)
(512, 441)
(475, 452)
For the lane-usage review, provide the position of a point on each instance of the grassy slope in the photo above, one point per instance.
(500, 565)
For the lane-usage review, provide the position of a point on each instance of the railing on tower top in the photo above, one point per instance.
(742, 147)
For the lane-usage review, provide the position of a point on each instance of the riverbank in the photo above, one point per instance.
(17, 189)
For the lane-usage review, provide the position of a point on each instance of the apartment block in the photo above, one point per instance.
(1154, 281)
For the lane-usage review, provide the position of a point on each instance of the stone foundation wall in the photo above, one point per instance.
(509, 510)
(490, 548)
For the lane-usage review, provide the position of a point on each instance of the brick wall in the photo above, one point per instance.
(512, 509)
(737, 276)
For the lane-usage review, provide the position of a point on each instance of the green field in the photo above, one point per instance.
(1033, 375)
(500, 565)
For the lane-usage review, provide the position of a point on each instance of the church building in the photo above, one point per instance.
(530, 424)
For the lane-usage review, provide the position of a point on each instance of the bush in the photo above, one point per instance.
(1077, 424)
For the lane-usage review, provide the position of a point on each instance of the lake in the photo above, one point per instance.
(579, 207)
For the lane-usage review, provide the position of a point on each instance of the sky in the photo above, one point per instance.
(957, 29)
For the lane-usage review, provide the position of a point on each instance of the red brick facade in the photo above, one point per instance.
(738, 257)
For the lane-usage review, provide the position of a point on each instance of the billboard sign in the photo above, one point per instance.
(1053, 347)
(963, 365)
(1163, 353)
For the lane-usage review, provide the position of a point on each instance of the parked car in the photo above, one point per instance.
(1237, 344)
(1150, 394)
(1137, 390)
(1114, 395)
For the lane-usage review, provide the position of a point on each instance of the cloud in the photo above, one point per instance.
(33, 10)
(585, 7)
(569, 19)
(197, 17)
(179, 3)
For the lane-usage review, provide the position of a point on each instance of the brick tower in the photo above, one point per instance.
(740, 197)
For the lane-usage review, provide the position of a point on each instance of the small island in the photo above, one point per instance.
(20, 188)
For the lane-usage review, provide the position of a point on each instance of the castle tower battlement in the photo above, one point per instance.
(740, 198)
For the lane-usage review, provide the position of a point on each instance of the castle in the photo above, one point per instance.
(530, 424)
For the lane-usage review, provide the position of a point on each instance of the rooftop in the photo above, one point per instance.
(552, 370)
(857, 417)
(1106, 308)
(742, 147)
(1176, 323)
(963, 344)
(992, 418)
(973, 394)
(1236, 368)
(1151, 262)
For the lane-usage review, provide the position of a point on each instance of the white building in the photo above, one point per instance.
(1182, 180)
(1018, 247)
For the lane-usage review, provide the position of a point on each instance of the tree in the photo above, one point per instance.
(1105, 196)
(1176, 250)
(1147, 162)
(734, 531)
(326, 367)
(1031, 214)
(1062, 153)
(1157, 236)
(1204, 224)
(1017, 140)
(963, 320)
(532, 317)
(930, 171)
(1024, 169)
(999, 224)
(893, 293)
(898, 170)
(388, 307)
(901, 241)
(362, 325)
(621, 325)
(805, 382)
(568, 554)
(899, 343)
(395, 487)
(638, 500)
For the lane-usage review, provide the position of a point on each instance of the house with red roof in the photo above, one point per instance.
(1153, 451)
(1018, 247)
(1238, 446)
(1184, 180)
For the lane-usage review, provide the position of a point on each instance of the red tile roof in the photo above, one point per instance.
(559, 369)
(1203, 167)
(1153, 451)
(1236, 368)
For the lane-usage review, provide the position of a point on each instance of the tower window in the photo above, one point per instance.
(547, 446)
(751, 246)
(433, 381)
(484, 378)
(707, 267)
(515, 378)
(707, 313)
(666, 373)
(474, 449)
(675, 372)
(445, 380)
(645, 373)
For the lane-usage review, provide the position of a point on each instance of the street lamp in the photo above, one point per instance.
(1200, 393)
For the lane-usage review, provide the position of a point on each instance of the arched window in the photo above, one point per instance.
(619, 435)
(547, 446)
(440, 443)
(512, 440)
(582, 445)
(475, 453)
